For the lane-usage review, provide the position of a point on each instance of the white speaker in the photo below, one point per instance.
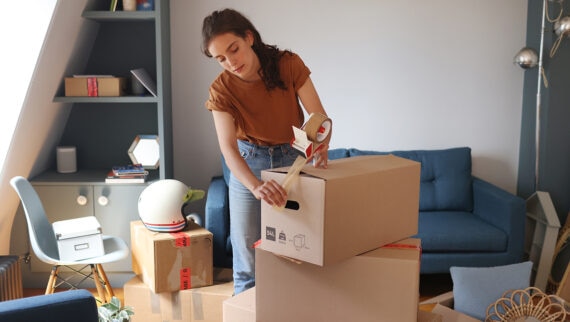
(66, 159)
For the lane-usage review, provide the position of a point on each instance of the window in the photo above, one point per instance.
(23, 29)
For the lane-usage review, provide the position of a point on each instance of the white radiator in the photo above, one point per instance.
(10, 278)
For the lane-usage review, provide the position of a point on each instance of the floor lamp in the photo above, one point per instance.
(542, 222)
(528, 58)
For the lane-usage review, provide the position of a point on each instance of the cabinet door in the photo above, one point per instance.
(66, 202)
(61, 203)
(115, 208)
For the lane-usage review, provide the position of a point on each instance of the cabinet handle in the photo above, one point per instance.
(81, 200)
(103, 201)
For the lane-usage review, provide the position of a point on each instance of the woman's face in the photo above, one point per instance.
(236, 55)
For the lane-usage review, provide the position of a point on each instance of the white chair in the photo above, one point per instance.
(44, 245)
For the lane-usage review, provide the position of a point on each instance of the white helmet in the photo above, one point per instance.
(161, 205)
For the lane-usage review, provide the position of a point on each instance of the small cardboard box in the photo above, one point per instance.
(355, 205)
(95, 86)
(450, 315)
(378, 286)
(169, 262)
(443, 305)
(78, 238)
(428, 316)
(203, 304)
(240, 308)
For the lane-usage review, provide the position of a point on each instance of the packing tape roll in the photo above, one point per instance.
(318, 127)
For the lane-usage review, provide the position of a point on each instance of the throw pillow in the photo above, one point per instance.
(475, 288)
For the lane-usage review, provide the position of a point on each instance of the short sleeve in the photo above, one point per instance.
(298, 71)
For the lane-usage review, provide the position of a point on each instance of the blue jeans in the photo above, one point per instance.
(245, 209)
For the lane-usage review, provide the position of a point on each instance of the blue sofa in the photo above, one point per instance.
(463, 220)
(72, 306)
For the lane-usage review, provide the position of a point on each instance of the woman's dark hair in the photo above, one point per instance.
(229, 20)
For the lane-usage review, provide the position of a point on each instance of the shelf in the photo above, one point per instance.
(88, 176)
(119, 15)
(119, 99)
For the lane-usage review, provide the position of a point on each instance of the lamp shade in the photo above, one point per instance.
(562, 26)
(526, 58)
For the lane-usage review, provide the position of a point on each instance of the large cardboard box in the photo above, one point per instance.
(204, 304)
(95, 86)
(378, 286)
(355, 205)
(240, 308)
(169, 262)
(79, 238)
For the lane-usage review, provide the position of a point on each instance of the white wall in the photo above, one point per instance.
(392, 75)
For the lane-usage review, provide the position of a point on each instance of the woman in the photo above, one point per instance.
(254, 103)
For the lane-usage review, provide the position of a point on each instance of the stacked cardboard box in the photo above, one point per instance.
(95, 85)
(169, 262)
(175, 277)
(241, 308)
(341, 250)
(354, 206)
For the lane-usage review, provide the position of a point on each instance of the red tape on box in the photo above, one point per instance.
(181, 239)
(403, 246)
(185, 278)
(92, 89)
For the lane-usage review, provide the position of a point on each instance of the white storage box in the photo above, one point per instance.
(78, 238)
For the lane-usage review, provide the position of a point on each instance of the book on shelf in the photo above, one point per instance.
(127, 170)
(143, 76)
(113, 6)
(132, 178)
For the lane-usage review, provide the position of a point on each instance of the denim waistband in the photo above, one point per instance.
(262, 148)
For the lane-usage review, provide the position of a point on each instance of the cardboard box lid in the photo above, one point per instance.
(76, 227)
(353, 166)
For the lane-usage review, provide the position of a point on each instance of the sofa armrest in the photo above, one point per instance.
(217, 219)
(64, 306)
(503, 210)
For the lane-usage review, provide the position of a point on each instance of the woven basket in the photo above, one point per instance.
(530, 305)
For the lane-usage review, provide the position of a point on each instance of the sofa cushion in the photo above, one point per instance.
(445, 181)
(338, 153)
(458, 231)
(475, 288)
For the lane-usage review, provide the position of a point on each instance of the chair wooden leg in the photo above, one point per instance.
(50, 288)
(106, 283)
(98, 285)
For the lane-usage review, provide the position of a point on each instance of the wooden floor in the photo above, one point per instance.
(430, 286)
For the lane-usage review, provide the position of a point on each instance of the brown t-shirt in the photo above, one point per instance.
(262, 116)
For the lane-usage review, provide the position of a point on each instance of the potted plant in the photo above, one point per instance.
(114, 312)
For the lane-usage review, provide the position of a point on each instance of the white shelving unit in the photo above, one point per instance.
(542, 226)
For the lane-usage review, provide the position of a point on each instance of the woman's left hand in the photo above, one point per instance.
(321, 156)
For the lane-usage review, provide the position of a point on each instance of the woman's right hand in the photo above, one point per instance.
(270, 192)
